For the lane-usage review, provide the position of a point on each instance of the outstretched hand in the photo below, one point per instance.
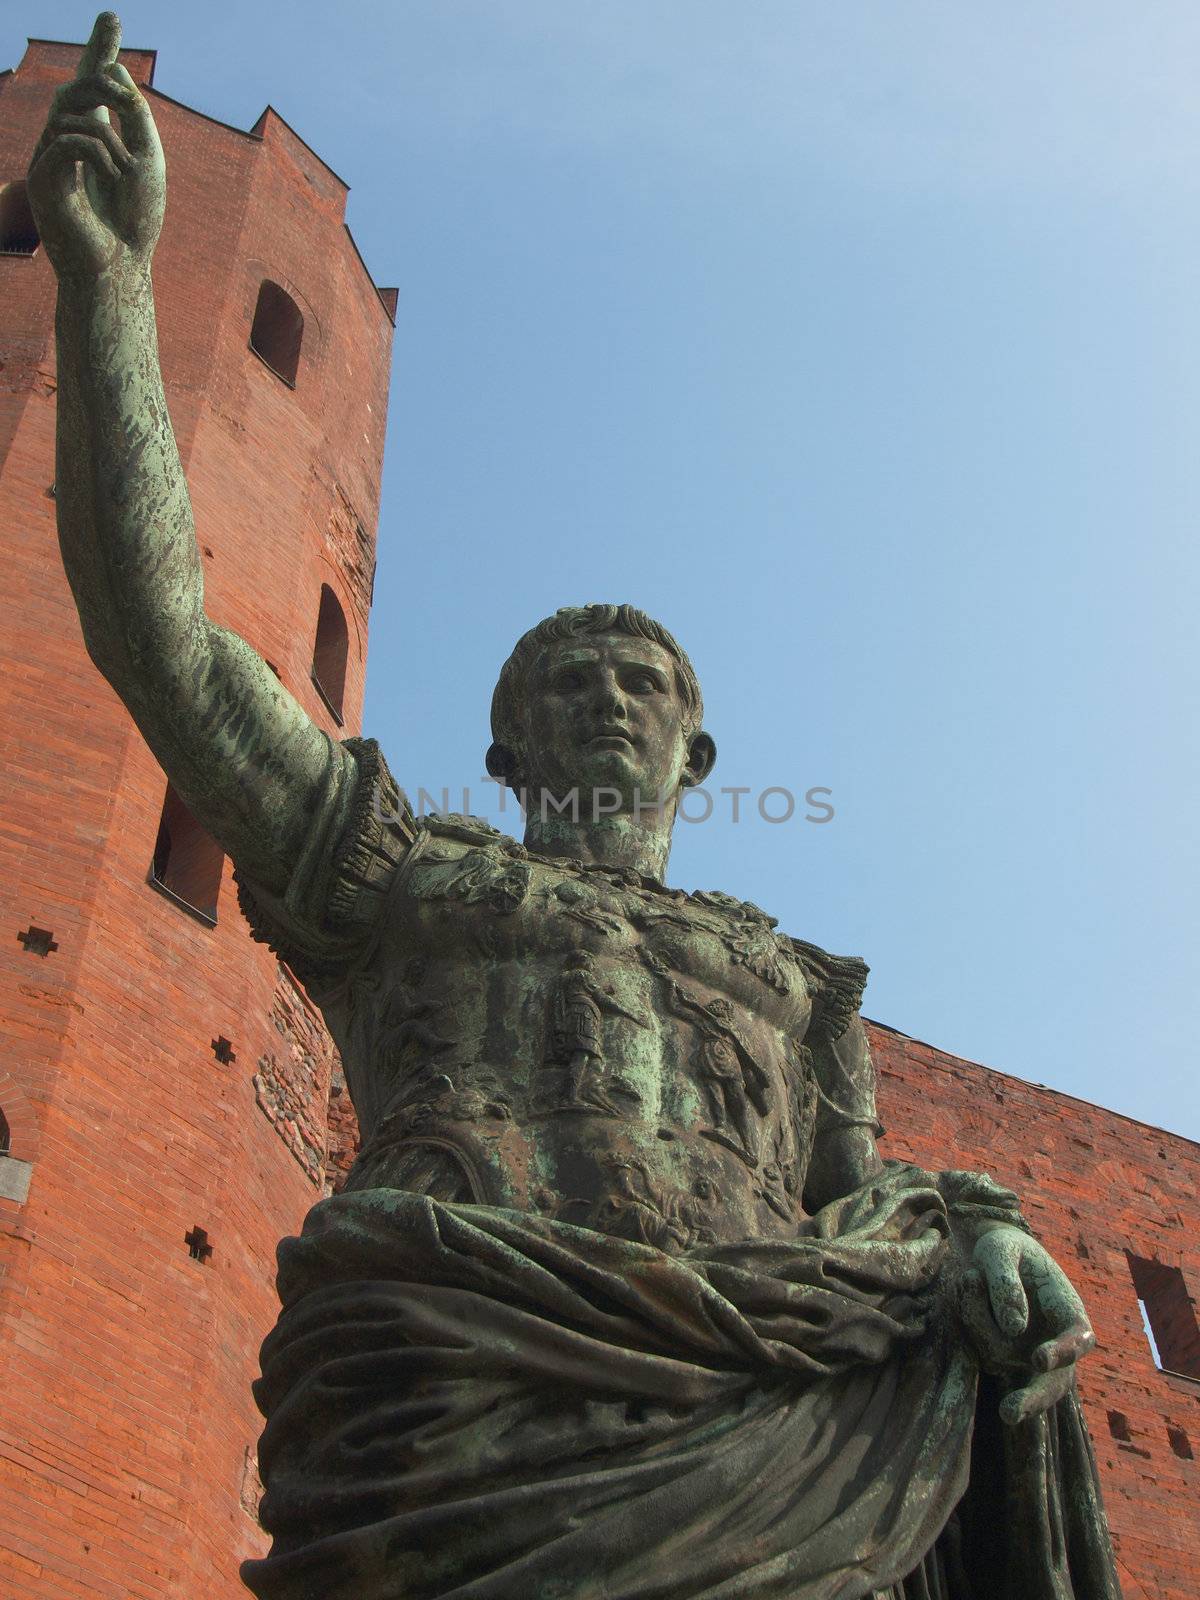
(1028, 1323)
(98, 195)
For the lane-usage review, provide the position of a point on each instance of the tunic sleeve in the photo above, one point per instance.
(836, 984)
(328, 919)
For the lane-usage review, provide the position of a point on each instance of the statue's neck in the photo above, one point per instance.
(640, 843)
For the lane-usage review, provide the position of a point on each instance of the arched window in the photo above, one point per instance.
(187, 860)
(18, 231)
(277, 331)
(330, 651)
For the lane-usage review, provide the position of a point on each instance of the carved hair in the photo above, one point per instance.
(570, 622)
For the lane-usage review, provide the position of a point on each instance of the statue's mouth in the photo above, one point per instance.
(610, 736)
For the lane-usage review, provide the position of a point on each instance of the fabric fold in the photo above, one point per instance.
(470, 1402)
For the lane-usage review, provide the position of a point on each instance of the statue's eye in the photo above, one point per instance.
(641, 683)
(567, 682)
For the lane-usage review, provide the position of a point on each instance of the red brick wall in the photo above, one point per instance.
(124, 1363)
(1093, 1185)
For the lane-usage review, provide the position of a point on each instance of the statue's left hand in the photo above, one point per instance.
(1026, 1319)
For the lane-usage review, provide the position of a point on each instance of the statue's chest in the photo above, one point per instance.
(585, 1042)
(485, 903)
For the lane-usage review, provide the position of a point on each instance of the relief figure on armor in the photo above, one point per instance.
(580, 1006)
(696, 1338)
(730, 1077)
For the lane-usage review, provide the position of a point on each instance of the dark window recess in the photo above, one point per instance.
(18, 231)
(1180, 1444)
(198, 1246)
(223, 1050)
(1168, 1314)
(38, 941)
(330, 651)
(187, 860)
(277, 331)
(5, 1135)
(1118, 1426)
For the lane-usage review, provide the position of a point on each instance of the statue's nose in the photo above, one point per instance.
(610, 702)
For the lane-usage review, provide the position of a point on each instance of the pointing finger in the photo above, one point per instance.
(101, 49)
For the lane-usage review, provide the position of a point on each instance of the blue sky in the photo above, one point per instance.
(859, 344)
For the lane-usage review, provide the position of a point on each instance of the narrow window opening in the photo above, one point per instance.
(1180, 1444)
(1148, 1330)
(18, 231)
(187, 860)
(37, 941)
(1118, 1426)
(5, 1135)
(1168, 1315)
(198, 1246)
(330, 652)
(223, 1050)
(277, 331)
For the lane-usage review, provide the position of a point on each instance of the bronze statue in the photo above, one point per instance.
(620, 1300)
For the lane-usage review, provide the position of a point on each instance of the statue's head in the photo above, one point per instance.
(599, 697)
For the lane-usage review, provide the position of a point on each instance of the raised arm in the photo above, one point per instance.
(240, 750)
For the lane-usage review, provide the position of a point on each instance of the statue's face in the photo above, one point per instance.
(604, 711)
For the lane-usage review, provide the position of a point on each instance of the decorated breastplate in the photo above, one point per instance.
(580, 1041)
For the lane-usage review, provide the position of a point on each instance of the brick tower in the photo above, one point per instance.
(164, 1084)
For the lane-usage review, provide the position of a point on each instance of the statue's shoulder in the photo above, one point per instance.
(473, 832)
(464, 861)
(836, 984)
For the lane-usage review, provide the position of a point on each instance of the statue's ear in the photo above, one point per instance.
(702, 757)
(501, 762)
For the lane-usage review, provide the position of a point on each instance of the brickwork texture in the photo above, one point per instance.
(159, 1075)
